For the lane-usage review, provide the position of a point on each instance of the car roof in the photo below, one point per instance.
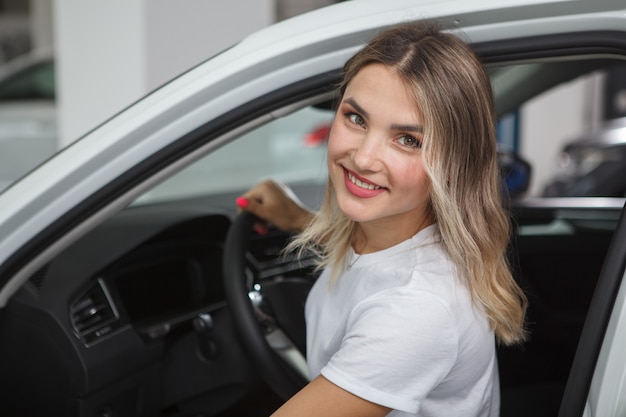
(371, 15)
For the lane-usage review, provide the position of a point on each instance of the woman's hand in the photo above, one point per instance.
(275, 203)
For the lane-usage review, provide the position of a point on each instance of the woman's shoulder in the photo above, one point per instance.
(423, 268)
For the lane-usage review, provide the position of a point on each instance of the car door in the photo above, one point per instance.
(597, 381)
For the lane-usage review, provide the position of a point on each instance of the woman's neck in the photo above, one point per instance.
(375, 236)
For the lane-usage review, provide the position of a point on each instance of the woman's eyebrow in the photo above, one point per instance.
(356, 106)
(407, 128)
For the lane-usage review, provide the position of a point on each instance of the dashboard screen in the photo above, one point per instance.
(162, 288)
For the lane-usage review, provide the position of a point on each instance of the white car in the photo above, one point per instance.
(129, 287)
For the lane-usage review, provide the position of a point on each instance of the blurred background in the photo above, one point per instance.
(68, 65)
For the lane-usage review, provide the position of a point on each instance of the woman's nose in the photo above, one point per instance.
(367, 153)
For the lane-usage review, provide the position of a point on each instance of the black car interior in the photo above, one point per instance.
(112, 323)
(558, 272)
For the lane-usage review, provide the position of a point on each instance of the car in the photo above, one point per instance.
(130, 286)
(28, 124)
(593, 165)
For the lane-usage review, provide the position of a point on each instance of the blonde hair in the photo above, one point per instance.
(460, 156)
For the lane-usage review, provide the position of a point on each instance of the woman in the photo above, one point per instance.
(411, 236)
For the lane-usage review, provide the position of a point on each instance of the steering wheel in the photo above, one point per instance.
(260, 309)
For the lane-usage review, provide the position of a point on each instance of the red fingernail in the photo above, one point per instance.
(242, 202)
(262, 230)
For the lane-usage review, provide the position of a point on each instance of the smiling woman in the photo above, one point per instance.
(372, 150)
(411, 237)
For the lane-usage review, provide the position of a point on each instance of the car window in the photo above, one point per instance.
(291, 149)
(559, 123)
(542, 106)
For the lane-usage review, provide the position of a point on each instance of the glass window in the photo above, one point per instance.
(291, 149)
(542, 106)
(560, 125)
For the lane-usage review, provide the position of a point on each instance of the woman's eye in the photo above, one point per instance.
(410, 141)
(356, 119)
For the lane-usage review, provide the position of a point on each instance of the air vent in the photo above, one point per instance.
(92, 315)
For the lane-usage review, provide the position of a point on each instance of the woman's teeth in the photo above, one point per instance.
(362, 184)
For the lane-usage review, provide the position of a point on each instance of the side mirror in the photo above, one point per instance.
(515, 173)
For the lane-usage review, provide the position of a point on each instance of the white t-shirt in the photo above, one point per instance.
(398, 328)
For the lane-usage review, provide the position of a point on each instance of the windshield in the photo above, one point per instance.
(291, 149)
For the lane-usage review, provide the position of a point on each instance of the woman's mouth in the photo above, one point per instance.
(358, 187)
(360, 183)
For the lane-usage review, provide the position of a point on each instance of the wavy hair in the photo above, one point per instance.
(453, 93)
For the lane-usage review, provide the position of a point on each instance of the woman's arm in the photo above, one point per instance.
(323, 398)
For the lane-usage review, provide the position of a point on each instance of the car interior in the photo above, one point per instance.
(133, 318)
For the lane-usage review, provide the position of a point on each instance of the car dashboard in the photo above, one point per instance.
(132, 320)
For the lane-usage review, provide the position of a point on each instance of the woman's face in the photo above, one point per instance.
(374, 155)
